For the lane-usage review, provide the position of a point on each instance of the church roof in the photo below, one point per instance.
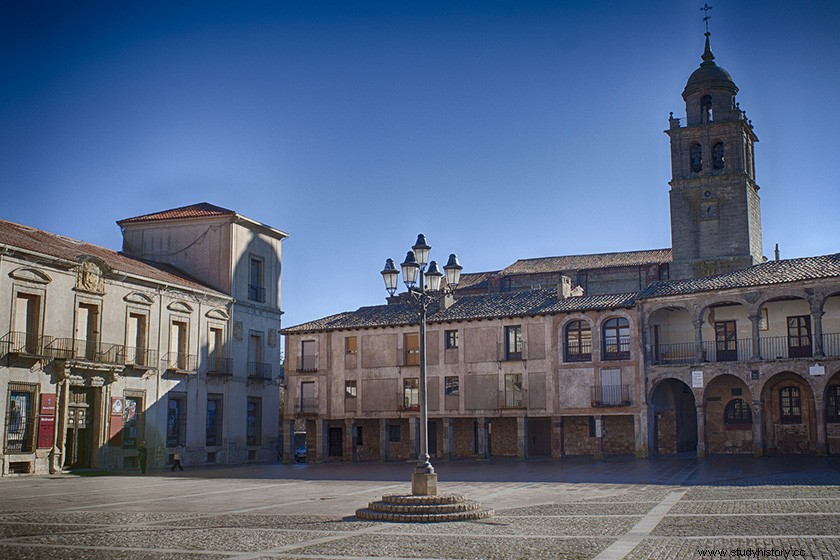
(200, 210)
(764, 274)
(709, 75)
(466, 308)
(588, 262)
(16, 236)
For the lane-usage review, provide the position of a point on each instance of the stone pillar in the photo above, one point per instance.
(383, 439)
(521, 437)
(413, 437)
(349, 440)
(557, 438)
(599, 436)
(756, 336)
(698, 339)
(640, 428)
(652, 439)
(822, 444)
(758, 427)
(289, 454)
(447, 440)
(817, 334)
(647, 338)
(320, 441)
(701, 430)
(482, 437)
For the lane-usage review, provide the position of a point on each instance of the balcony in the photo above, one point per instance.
(140, 358)
(219, 367)
(306, 406)
(771, 347)
(180, 363)
(86, 350)
(258, 371)
(783, 347)
(611, 395)
(308, 364)
(23, 343)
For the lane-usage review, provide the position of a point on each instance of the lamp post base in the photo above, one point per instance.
(424, 484)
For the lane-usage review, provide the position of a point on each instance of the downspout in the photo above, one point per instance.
(157, 376)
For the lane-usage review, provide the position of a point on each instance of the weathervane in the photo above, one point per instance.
(707, 17)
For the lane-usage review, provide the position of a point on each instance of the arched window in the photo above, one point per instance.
(706, 109)
(696, 158)
(791, 405)
(578, 342)
(737, 411)
(832, 404)
(616, 339)
(717, 156)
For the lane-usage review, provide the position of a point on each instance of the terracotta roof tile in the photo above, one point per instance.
(39, 241)
(200, 210)
(764, 274)
(587, 262)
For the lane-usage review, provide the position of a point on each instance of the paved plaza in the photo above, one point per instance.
(680, 507)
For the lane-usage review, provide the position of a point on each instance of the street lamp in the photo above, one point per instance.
(415, 277)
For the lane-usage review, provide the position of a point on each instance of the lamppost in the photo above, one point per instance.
(415, 277)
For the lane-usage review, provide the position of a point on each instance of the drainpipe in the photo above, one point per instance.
(157, 378)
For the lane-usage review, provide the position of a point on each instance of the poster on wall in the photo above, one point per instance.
(697, 379)
(117, 408)
(46, 423)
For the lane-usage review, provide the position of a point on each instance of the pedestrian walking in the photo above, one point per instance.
(176, 458)
(142, 456)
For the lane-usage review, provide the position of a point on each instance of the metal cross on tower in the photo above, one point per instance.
(707, 17)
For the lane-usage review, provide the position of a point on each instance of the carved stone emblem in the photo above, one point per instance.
(272, 338)
(89, 278)
(237, 330)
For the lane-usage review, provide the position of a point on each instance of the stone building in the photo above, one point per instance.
(704, 347)
(172, 341)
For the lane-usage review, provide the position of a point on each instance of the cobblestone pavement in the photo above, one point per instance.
(616, 508)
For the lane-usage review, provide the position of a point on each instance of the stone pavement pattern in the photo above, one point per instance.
(617, 508)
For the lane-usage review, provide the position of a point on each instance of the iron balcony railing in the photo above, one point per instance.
(611, 395)
(306, 405)
(677, 353)
(16, 342)
(180, 362)
(259, 371)
(771, 348)
(219, 367)
(782, 347)
(831, 344)
(89, 350)
(141, 357)
(308, 363)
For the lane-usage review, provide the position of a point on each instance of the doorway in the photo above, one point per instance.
(80, 445)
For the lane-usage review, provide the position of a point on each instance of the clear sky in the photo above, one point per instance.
(501, 130)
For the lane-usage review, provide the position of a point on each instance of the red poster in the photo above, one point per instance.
(46, 425)
(117, 409)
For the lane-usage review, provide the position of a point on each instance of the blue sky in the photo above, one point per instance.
(501, 130)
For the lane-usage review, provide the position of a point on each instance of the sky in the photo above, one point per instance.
(500, 130)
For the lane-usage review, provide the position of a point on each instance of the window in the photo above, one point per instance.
(799, 336)
(256, 367)
(726, 341)
(133, 416)
(215, 353)
(593, 428)
(27, 323)
(308, 358)
(513, 390)
(87, 331)
(308, 402)
(20, 419)
(412, 349)
(176, 420)
(610, 387)
(350, 389)
(256, 288)
(253, 423)
(791, 405)
(832, 404)
(717, 156)
(706, 109)
(737, 411)
(351, 345)
(578, 342)
(696, 158)
(178, 345)
(450, 339)
(513, 343)
(135, 352)
(411, 393)
(451, 385)
(616, 339)
(359, 439)
(214, 419)
(394, 433)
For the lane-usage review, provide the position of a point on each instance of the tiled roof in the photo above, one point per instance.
(587, 262)
(764, 274)
(485, 306)
(200, 210)
(475, 280)
(39, 241)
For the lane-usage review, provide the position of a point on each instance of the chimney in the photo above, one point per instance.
(776, 251)
(446, 301)
(564, 287)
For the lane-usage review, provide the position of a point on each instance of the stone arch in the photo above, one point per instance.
(617, 346)
(778, 338)
(581, 355)
(790, 424)
(726, 329)
(675, 343)
(724, 436)
(831, 402)
(674, 414)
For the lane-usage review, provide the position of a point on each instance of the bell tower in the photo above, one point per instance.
(715, 214)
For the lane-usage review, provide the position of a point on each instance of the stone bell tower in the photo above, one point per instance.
(715, 214)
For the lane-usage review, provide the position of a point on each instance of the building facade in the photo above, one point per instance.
(105, 349)
(706, 347)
